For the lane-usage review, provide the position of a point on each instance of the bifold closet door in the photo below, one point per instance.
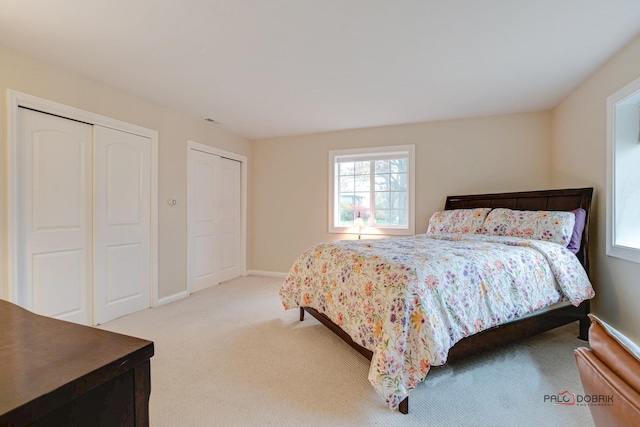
(204, 217)
(54, 225)
(122, 223)
(230, 215)
(214, 219)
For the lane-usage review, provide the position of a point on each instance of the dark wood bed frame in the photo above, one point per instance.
(550, 200)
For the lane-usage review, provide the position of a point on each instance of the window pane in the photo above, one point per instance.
(346, 168)
(398, 165)
(403, 217)
(360, 204)
(365, 214)
(391, 217)
(397, 217)
(398, 181)
(381, 217)
(347, 199)
(347, 184)
(362, 201)
(398, 200)
(346, 210)
(382, 182)
(351, 204)
(382, 166)
(382, 200)
(363, 182)
(362, 168)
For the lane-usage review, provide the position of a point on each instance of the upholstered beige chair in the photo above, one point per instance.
(610, 374)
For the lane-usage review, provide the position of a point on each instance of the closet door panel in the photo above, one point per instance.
(53, 208)
(58, 283)
(122, 223)
(204, 177)
(124, 264)
(230, 215)
(54, 216)
(205, 250)
(125, 175)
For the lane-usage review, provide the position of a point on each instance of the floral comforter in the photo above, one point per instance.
(409, 300)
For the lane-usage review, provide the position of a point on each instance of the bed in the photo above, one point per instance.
(472, 282)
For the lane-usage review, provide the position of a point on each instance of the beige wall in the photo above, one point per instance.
(37, 78)
(579, 144)
(289, 193)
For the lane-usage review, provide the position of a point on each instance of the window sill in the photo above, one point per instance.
(373, 231)
(624, 252)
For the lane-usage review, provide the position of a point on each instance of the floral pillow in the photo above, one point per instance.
(551, 226)
(457, 221)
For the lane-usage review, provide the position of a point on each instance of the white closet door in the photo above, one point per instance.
(54, 216)
(230, 215)
(204, 175)
(122, 223)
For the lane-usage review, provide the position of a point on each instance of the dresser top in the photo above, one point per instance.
(45, 362)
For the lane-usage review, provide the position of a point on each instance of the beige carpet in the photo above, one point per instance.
(231, 356)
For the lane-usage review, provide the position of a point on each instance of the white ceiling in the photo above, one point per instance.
(265, 68)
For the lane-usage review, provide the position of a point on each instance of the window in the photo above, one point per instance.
(375, 183)
(623, 173)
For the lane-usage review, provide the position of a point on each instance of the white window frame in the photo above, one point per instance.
(401, 150)
(626, 95)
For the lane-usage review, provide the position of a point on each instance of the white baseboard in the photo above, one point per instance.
(172, 298)
(266, 273)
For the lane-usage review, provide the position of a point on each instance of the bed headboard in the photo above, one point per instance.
(547, 200)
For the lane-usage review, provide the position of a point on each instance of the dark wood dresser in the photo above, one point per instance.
(55, 373)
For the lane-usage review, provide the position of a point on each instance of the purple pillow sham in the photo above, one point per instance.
(578, 228)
